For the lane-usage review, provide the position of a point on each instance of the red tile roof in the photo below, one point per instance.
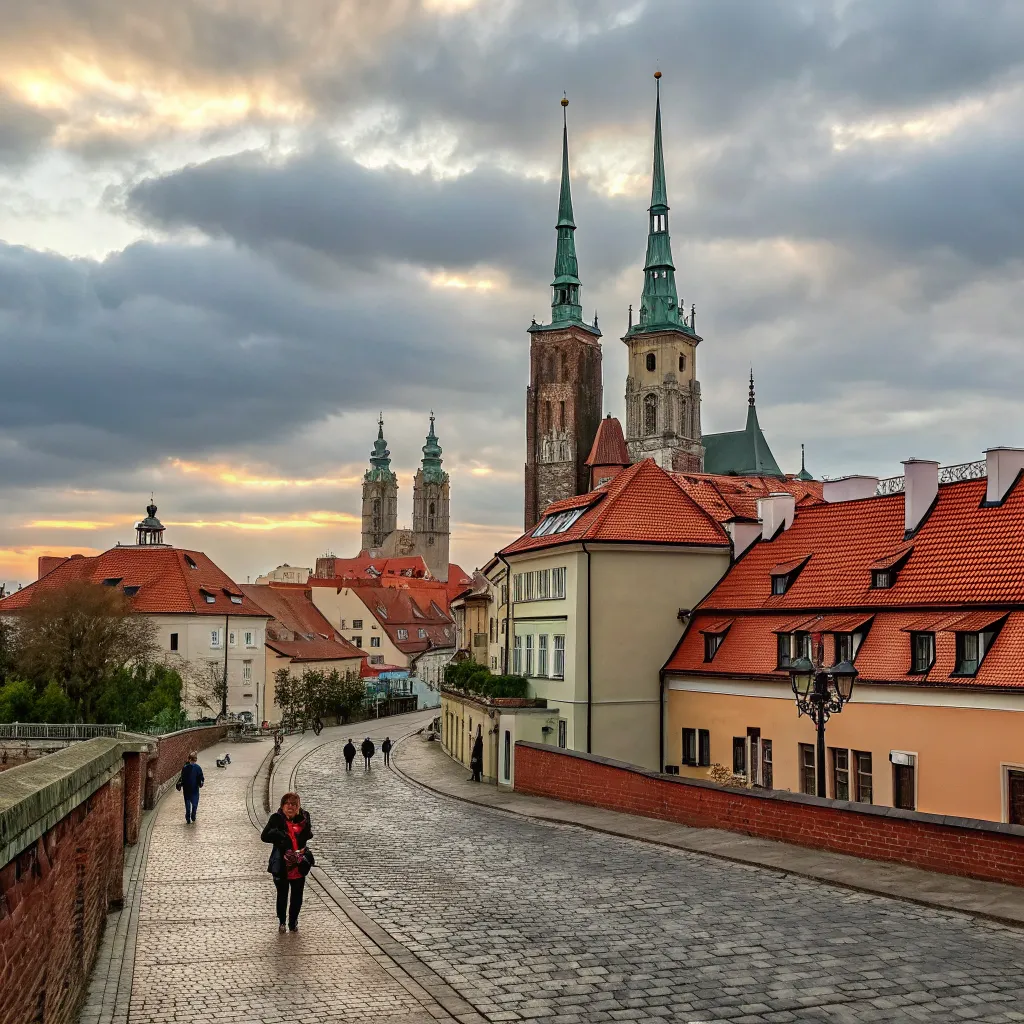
(964, 572)
(609, 447)
(169, 581)
(410, 608)
(727, 497)
(643, 504)
(298, 630)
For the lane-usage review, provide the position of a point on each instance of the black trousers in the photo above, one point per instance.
(367, 760)
(348, 766)
(296, 885)
(387, 757)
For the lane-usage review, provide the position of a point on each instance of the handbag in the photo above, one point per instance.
(307, 862)
(178, 785)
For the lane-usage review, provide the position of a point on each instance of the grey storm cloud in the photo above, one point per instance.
(164, 349)
(23, 129)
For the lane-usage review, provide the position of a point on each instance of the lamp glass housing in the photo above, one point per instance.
(801, 672)
(843, 674)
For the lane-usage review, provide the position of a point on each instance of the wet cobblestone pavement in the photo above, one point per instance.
(530, 920)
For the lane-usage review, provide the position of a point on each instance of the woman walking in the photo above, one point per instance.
(289, 830)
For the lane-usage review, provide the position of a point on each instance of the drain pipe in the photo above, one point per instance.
(509, 618)
(590, 680)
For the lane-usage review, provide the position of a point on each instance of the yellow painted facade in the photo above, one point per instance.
(964, 745)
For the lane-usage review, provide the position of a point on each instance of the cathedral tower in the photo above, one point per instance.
(380, 494)
(563, 399)
(662, 390)
(430, 503)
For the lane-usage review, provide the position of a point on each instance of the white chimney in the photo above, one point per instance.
(920, 486)
(849, 488)
(1003, 465)
(775, 511)
(743, 533)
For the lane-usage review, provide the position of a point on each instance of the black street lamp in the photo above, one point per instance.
(821, 693)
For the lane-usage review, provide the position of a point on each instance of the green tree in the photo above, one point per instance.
(80, 636)
(470, 677)
(54, 706)
(138, 696)
(17, 701)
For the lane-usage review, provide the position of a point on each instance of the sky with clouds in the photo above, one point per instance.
(232, 231)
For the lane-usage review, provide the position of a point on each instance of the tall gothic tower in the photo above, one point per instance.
(662, 390)
(563, 400)
(430, 506)
(380, 495)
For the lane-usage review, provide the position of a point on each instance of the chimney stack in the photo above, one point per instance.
(743, 533)
(849, 488)
(1003, 465)
(920, 487)
(775, 511)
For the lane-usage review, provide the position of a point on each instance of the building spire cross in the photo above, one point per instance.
(750, 400)
(565, 288)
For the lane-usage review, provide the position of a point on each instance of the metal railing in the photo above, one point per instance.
(947, 475)
(42, 731)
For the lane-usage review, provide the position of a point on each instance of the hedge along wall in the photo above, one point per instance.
(171, 752)
(62, 822)
(956, 846)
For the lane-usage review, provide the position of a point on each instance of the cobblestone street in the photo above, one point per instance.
(528, 919)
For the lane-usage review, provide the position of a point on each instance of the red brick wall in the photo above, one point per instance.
(53, 904)
(982, 850)
(134, 795)
(172, 750)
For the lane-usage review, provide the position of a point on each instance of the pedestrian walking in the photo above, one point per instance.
(385, 749)
(189, 783)
(368, 750)
(289, 830)
(476, 760)
(349, 750)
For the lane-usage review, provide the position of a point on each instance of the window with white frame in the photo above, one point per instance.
(543, 584)
(558, 665)
(375, 641)
(232, 639)
(558, 582)
(542, 654)
(403, 634)
(246, 670)
(421, 633)
(560, 522)
(250, 638)
(529, 654)
(517, 655)
(215, 638)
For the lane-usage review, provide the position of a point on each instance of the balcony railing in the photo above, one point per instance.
(947, 475)
(42, 731)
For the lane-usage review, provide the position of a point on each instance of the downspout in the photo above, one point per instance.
(509, 618)
(224, 697)
(589, 675)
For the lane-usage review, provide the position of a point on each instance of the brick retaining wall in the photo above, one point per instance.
(956, 846)
(61, 864)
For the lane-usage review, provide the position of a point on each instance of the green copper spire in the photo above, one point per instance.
(803, 474)
(380, 457)
(565, 288)
(659, 306)
(432, 471)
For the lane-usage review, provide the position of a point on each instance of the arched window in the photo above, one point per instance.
(651, 361)
(377, 524)
(650, 414)
(682, 362)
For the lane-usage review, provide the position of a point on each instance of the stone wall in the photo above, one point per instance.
(62, 855)
(164, 765)
(955, 846)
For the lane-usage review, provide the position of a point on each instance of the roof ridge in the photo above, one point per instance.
(700, 508)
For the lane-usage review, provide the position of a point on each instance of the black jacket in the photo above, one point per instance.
(368, 748)
(349, 750)
(386, 746)
(276, 832)
(478, 751)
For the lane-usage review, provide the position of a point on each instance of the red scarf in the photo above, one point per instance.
(294, 828)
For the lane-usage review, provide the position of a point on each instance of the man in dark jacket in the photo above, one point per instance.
(385, 749)
(368, 750)
(349, 750)
(190, 782)
(476, 760)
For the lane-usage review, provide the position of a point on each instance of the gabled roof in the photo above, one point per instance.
(609, 447)
(729, 497)
(964, 573)
(741, 452)
(298, 629)
(643, 504)
(158, 579)
(411, 609)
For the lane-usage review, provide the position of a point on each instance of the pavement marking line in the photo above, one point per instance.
(416, 977)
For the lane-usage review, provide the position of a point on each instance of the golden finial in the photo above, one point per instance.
(657, 74)
(565, 101)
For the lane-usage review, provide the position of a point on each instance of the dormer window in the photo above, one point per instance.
(402, 634)
(112, 581)
(714, 634)
(922, 651)
(792, 646)
(131, 591)
(421, 633)
(784, 575)
(207, 596)
(190, 561)
(885, 570)
(560, 522)
(975, 634)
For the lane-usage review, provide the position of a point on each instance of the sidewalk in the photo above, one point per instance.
(427, 765)
(198, 938)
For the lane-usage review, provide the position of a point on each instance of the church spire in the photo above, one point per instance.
(432, 456)
(659, 307)
(380, 457)
(565, 288)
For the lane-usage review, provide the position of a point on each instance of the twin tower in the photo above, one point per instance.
(431, 530)
(564, 398)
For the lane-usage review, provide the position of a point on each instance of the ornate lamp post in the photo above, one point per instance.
(821, 693)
